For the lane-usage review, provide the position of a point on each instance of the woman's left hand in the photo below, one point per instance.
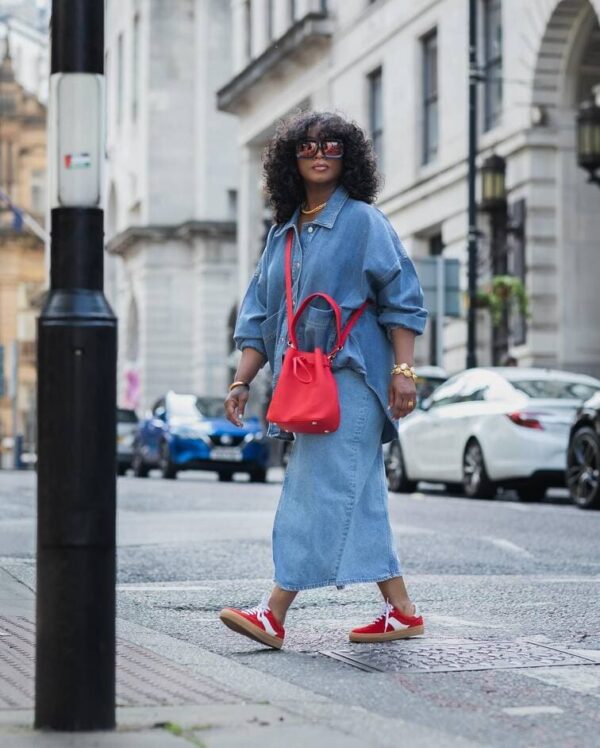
(402, 396)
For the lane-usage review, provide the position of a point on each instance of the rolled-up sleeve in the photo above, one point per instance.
(252, 312)
(399, 294)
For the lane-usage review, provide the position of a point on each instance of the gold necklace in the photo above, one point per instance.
(312, 210)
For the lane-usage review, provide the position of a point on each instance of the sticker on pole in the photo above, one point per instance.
(78, 161)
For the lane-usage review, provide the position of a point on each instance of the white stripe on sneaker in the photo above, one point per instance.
(396, 624)
(262, 617)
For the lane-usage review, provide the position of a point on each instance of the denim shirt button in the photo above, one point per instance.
(310, 229)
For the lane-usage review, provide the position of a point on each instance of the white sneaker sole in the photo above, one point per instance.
(240, 625)
(388, 636)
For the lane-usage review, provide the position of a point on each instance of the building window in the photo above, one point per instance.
(135, 67)
(376, 113)
(435, 249)
(323, 6)
(248, 28)
(270, 19)
(120, 66)
(232, 204)
(293, 10)
(430, 97)
(492, 62)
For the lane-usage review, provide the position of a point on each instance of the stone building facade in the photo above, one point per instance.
(400, 70)
(171, 187)
(22, 266)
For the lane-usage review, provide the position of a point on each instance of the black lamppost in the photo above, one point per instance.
(493, 185)
(472, 246)
(494, 203)
(77, 353)
(588, 140)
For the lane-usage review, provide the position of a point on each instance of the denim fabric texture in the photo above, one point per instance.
(332, 525)
(351, 252)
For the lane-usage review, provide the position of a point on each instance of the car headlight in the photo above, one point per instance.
(255, 436)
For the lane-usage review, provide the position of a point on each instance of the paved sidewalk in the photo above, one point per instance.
(233, 705)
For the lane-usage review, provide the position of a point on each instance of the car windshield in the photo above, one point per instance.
(126, 416)
(554, 389)
(192, 407)
(426, 385)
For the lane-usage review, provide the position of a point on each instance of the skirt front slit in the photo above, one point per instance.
(332, 525)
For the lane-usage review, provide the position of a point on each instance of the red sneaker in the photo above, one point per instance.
(257, 623)
(390, 624)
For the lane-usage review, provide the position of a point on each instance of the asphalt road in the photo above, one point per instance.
(482, 571)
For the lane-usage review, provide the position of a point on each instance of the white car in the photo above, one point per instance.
(491, 427)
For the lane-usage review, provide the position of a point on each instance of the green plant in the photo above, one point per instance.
(503, 292)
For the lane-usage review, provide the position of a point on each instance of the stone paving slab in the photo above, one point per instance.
(144, 677)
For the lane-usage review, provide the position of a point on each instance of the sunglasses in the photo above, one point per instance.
(309, 147)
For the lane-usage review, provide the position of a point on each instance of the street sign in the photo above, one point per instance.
(428, 270)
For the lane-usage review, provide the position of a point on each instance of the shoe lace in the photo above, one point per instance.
(386, 611)
(260, 610)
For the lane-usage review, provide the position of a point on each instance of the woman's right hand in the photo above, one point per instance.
(235, 403)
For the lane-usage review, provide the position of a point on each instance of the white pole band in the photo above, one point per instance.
(76, 137)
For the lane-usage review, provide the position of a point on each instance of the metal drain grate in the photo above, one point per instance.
(436, 657)
(144, 678)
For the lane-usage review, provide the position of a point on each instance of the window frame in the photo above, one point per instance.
(429, 98)
(492, 64)
(120, 78)
(376, 113)
(135, 66)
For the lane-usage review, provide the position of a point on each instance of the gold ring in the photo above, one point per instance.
(410, 403)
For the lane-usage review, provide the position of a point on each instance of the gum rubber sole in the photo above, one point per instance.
(389, 636)
(241, 626)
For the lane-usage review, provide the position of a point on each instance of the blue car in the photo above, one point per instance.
(187, 432)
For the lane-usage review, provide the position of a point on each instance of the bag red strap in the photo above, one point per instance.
(342, 334)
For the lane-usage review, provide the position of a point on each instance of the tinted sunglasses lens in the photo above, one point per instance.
(306, 149)
(333, 149)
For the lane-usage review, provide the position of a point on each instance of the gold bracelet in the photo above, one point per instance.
(408, 371)
(238, 384)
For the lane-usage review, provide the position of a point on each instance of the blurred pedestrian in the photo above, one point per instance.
(332, 526)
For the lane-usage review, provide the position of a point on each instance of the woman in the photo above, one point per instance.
(332, 525)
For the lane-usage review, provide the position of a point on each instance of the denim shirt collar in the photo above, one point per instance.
(328, 215)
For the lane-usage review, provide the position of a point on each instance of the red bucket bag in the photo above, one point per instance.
(305, 399)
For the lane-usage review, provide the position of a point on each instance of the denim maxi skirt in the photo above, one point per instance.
(332, 526)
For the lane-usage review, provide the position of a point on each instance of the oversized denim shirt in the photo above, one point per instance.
(351, 252)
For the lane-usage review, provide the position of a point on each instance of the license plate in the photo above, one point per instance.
(226, 453)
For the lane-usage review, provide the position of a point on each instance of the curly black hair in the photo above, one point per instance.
(283, 183)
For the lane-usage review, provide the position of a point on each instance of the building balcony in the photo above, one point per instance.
(310, 34)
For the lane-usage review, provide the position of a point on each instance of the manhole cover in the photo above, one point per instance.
(143, 677)
(436, 657)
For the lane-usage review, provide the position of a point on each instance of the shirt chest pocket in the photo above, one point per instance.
(316, 328)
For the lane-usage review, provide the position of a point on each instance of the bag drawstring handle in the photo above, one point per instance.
(342, 334)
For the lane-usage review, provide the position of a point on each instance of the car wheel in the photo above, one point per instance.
(455, 489)
(476, 483)
(140, 469)
(258, 475)
(396, 474)
(531, 492)
(583, 468)
(225, 476)
(167, 468)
